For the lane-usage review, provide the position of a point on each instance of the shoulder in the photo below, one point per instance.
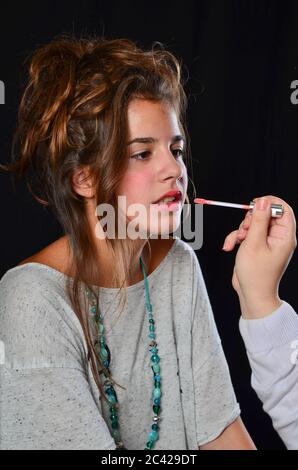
(171, 255)
(36, 320)
(181, 268)
(30, 281)
(25, 291)
(161, 247)
(55, 255)
(185, 257)
(184, 249)
(188, 276)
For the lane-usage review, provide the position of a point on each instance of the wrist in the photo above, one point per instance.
(253, 309)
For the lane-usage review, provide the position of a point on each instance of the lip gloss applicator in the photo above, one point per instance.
(277, 210)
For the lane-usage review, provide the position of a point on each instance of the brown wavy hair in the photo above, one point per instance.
(73, 112)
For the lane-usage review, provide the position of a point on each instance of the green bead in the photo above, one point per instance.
(116, 434)
(152, 336)
(153, 436)
(112, 399)
(101, 328)
(151, 320)
(157, 384)
(93, 309)
(103, 353)
(151, 328)
(154, 427)
(156, 409)
(115, 425)
(150, 444)
(155, 358)
(156, 393)
(114, 418)
(156, 368)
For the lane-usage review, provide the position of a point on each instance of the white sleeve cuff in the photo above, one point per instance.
(276, 329)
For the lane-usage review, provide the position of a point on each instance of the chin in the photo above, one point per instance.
(154, 224)
(164, 228)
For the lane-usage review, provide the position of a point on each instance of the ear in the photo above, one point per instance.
(82, 182)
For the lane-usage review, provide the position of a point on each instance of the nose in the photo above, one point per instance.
(171, 166)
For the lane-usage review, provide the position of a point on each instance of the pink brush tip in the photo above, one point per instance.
(199, 200)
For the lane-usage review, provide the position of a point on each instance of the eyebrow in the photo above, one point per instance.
(152, 140)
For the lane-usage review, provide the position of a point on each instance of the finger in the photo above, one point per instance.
(274, 231)
(259, 224)
(279, 232)
(242, 232)
(246, 221)
(288, 217)
(286, 224)
(245, 224)
(231, 240)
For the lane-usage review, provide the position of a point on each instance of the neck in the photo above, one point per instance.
(105, 258)
(136, 248)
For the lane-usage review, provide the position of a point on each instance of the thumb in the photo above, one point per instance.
(259, 224)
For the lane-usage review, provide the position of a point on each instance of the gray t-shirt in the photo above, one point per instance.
(48, 397)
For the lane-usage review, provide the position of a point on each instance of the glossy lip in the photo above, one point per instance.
(174, 193)
(173, 206)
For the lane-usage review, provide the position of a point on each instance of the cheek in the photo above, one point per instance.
(136, 186)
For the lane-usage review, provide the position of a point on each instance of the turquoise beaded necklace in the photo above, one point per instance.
(109, 390)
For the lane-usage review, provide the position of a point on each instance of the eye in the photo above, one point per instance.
(137, 155)
(142, 156)
(182, 152)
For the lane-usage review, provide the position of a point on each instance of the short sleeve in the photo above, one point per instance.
(215, 403)
(50, 409)
(46, 395)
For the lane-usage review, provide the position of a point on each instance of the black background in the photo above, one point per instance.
(241, 58)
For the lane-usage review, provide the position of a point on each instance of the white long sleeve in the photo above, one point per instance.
(272, 347)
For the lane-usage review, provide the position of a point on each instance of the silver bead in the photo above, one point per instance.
(156, 419)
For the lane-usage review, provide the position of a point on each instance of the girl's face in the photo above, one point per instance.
(155, 152)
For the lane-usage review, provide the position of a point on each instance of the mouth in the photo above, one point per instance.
(170, 202)
(173, 197)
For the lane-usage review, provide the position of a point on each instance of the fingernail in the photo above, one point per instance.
(262, 204)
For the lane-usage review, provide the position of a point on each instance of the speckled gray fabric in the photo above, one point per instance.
(48, 397)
